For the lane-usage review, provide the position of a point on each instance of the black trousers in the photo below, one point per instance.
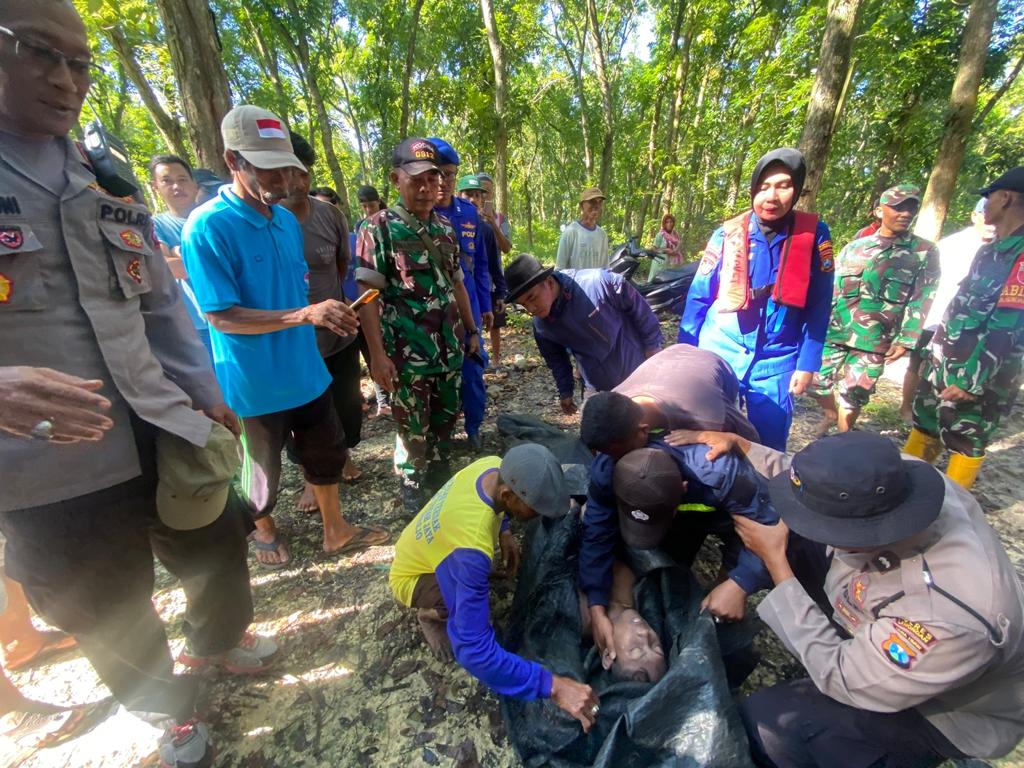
(346, 375)
(86, 565)
(793, 725)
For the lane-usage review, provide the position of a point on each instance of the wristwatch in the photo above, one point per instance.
(475, 332)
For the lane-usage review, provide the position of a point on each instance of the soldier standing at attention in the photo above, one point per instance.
(762, 295)
(884, 286)
(410, 254)
(971, 372)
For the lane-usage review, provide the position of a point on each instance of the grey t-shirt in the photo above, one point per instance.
(325, 246)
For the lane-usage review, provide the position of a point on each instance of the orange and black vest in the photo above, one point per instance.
(794, 276)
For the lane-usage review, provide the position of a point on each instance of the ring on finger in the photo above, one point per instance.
(43, 430)
(594, 710)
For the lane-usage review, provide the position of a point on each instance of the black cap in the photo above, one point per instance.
(524, 273)
(1012, 180)
(648, 486)
(854, 490)
(367, 194)
(415, 156)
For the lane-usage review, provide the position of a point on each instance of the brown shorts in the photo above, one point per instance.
(427, 594)
(315, 438)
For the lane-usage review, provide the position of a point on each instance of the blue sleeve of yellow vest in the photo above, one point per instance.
(819, 302)
(464, 579)
(703, 290)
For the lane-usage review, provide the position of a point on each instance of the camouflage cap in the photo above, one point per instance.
(899, 193)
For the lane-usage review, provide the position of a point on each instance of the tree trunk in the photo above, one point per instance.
(581, 94)
(194, 46)
(833, 69)
(500, 96)
(360, 144)
(607, 108)
(168, 127)
(962, 102)
(410, 55)
(267, 55)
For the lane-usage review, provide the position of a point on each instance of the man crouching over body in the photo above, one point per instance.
(443, 563)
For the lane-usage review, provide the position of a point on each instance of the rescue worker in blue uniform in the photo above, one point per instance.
(466, 221)
(762, 295)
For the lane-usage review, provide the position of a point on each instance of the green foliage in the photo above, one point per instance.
(747, 71)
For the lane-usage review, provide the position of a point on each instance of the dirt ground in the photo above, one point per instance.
(354, 685)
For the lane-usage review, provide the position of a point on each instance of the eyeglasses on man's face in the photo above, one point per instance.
(44, 58)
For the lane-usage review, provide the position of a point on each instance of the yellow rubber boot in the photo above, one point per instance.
(923, 445)
(964, 469)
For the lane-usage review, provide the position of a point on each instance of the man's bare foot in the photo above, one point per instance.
(308, 503)
(350, 473)
(356, 539)
(827, 422)
(435, 632)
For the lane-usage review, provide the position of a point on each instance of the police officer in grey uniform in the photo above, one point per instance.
(98, 356)
(919, 654)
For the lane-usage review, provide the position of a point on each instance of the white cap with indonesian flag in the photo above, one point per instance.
(260, 137)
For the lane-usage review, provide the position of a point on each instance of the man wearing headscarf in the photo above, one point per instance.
(762, 295)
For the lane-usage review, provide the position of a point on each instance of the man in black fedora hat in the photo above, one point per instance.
(919, 655)
(595, 314)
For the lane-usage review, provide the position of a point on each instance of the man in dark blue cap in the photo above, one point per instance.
(466, 222)
(918, 654)
(762, 295)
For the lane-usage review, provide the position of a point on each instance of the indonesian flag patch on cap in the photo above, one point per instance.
(269, 128)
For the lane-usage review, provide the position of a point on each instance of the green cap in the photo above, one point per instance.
(899, 193)
(468, 182)
(194, 480)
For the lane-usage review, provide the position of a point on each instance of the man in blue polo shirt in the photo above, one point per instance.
(244, 255)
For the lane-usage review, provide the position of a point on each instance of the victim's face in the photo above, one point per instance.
(639, 655)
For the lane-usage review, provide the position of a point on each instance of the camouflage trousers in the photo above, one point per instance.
(854, 371)
(965, 428)
(425, 407)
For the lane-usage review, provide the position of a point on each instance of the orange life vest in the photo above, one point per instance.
(794, 275)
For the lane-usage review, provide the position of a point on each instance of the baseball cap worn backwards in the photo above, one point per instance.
(855, 491)
(648, 486)
(415, 156)
(259, 136)
(899, 193)
(1012, 180)
(535, 476)
(194, 481)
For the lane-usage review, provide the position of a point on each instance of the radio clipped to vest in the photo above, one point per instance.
(109, 160)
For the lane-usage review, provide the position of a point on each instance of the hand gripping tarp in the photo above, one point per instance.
(686, 720)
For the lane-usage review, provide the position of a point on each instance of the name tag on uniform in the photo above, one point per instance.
(1012, 296)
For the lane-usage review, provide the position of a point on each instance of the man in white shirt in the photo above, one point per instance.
(584, 245)
(956, 253)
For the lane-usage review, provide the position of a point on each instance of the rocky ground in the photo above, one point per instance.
(355, 685)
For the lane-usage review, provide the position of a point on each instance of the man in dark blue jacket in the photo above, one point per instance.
(593, 313)
(684, 496)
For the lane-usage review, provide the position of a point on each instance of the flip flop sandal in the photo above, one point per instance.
(272, 546)
(364, 539)
(53, 644)
(39, 731)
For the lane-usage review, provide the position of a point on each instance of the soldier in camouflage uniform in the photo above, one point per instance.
(883, 289)
(972, 370)
(414, 333)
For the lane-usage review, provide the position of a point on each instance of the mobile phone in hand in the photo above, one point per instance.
(368, 296)
(489, 207)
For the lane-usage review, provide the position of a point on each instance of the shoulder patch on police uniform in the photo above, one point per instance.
(134, 270)
(827, 260)
(708, 261)
(11, 237)
(897, 650)
(6, 284)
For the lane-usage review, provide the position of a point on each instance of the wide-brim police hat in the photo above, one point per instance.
(854, 490)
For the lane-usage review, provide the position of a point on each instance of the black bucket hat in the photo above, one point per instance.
(524, 273)
(855, 490)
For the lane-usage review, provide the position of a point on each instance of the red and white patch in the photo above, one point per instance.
(11, 237)
(424, 150)
(132, 239)
(827, 260)
(134, 270)
(269, 128)
(6, 288)
(1012, 296)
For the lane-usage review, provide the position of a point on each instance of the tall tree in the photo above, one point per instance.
(195, 57)
(963, 100)
(500, 97)
(410, 57)
(607, 107)
(832, 75)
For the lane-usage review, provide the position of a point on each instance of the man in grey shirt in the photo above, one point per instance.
(98, 359)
